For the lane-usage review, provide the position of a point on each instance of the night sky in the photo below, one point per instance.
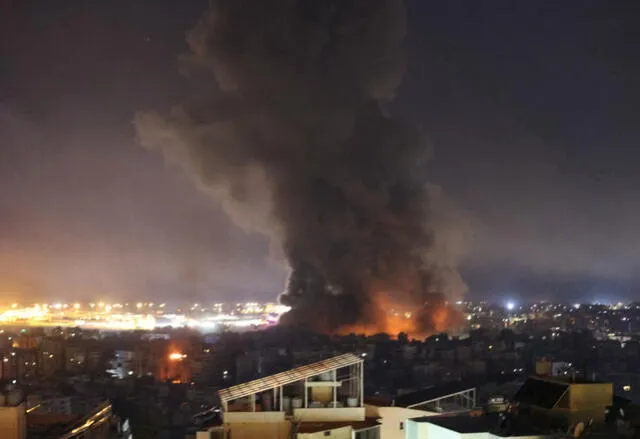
(531, 107)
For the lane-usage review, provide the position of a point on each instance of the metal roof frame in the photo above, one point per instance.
(287, 377)
(432, 394)
(447, 396)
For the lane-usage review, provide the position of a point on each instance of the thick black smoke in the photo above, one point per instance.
(292, 135)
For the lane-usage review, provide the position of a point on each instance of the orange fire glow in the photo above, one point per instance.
(392, 319)
(175, 367)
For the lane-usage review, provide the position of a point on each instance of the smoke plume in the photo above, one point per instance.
(291, 133)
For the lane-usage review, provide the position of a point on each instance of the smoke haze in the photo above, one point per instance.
(291, 134)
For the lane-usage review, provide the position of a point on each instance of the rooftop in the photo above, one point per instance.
(510, 426)
(541, 393)
(287, 377)
(315, 427)
(431, 394)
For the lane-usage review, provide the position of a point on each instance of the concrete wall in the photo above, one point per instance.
(330, 414)
(392, 417)
(211, 433)
(336, 433)
(590, 400)
(254, 430)
(426, 430)
(436, 432)
(417, 430)
(13, 422)
(252, 417)
(250, 425)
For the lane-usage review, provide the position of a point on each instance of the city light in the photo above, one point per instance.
(116, 316)
(510, 306)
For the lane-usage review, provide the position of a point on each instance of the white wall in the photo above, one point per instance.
(415, 430)
(437, 432)
(334, 433)
(391, 417)
(330, 414)
(252, 417)
(426, 430)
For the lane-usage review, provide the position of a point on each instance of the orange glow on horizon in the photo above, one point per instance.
(393, 318)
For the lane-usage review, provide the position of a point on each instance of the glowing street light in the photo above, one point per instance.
(510, 306)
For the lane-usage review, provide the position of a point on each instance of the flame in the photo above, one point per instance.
(417, 322)
(176, 356)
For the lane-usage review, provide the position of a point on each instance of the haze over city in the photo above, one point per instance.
(528, 109)
(298, 219)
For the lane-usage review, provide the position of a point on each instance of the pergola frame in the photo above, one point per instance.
(467, 396)
(276, 382)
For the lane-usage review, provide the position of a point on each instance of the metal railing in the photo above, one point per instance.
(97, 418)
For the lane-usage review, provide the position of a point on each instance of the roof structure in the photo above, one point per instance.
(541, 393)
(287, 377)
(431, 394)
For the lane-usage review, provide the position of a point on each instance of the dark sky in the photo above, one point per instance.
(532, 109)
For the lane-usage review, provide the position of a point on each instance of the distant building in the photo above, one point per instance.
(546, 367)
(122, 364)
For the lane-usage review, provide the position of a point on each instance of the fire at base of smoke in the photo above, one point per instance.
(297, 96)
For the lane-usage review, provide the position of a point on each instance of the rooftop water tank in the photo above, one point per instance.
(326, 376)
